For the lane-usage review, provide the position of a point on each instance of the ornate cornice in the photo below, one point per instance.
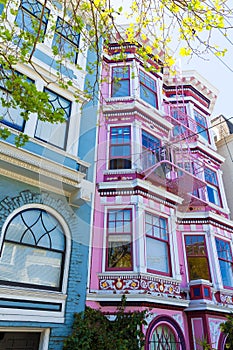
(215, 220)
(31, 168)
(138, 187)
(115, 109)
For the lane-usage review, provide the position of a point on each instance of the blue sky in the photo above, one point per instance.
(218, 73)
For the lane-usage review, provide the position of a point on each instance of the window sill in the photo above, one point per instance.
(31, 304)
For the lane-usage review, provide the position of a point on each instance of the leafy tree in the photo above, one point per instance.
(93, 330)
(227, 328)
(156, 24)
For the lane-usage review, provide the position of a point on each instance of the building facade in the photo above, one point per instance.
(45, 196)
(161, 228)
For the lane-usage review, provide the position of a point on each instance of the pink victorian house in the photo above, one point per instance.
(161, 228)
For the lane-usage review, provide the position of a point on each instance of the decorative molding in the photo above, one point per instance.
(135, 107)
(214, 325)
(32, 162)
(43, 172)
(179, 319)
(33, 182)
(149, 318)
(138, 187)
(223, 298)
(132, 192)
(131, 283)
(9, 204)
(205, 221)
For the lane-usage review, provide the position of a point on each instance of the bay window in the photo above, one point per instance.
(225, 261)
(148, 89)
(197, 257)
(55, 134)
(120, 81)
(119, 240)
(157, 245)
(212, 186)
(120, 148)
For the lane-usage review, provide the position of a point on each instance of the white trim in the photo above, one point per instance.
(100, 297)
(16, 317)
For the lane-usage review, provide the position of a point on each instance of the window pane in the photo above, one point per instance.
(157, 255)
(150, 150)
(30, 265)
(120, 163)
(66, 39)
(223, 249)
(123, 151)
(210, 176)
(156, 226)
(200, 119)
(119, 239)
(119, 255)
(148, 89)
(201, 131)
(197, 257)
(225, 261)
(213, 195)
(55, 134)
(148, 96)
(201, 125)
(120, 72)
(120, 88)
(198, 268)
(11, 116)
(36, 227)
(163, 339)
(120, 81)
(226, 272)
(52, 133)
(30, 14)
(195, 245)
(150, 141)
(147, 80)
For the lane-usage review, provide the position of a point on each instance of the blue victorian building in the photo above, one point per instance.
(45, 195)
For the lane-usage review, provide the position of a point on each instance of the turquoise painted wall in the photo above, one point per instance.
(76, 292)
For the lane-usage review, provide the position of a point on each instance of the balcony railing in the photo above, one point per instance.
(176, 169)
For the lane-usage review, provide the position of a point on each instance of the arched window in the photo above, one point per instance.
(33, 251)
(164, 333)
(163, 338)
